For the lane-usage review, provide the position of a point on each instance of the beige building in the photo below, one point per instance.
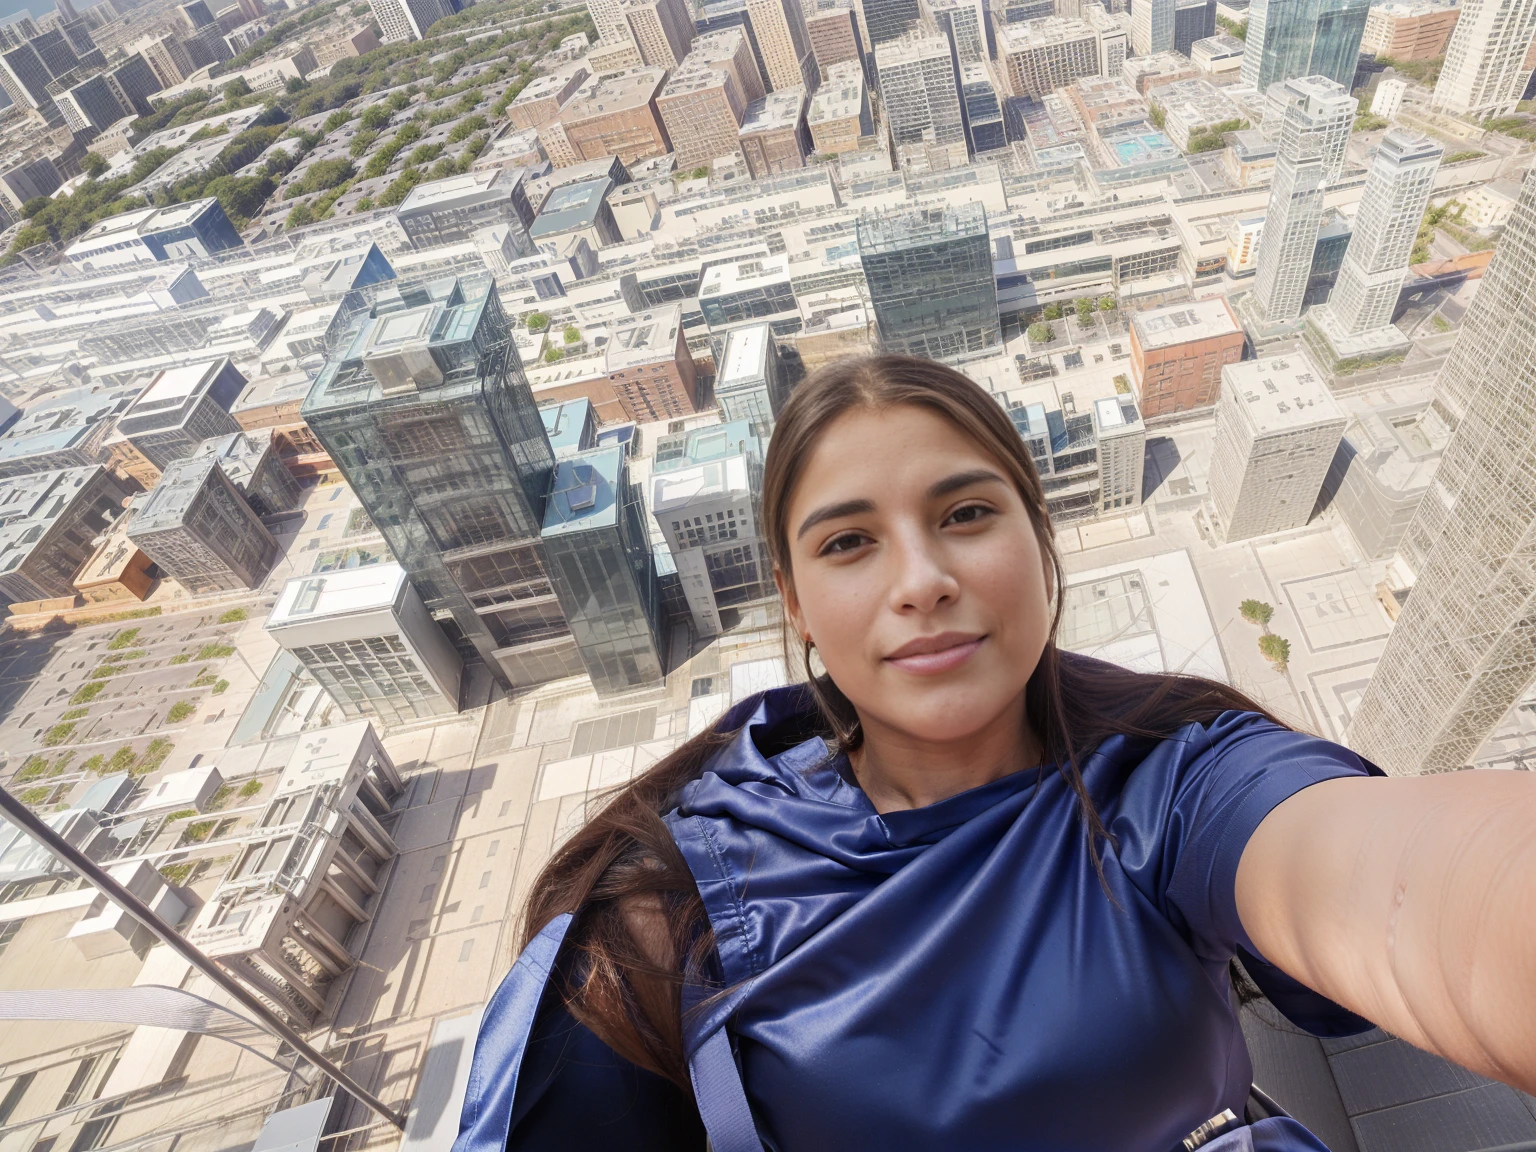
(781, 38)
(839, 116)
(167, 59)
(661, 29)
(1408, 31)
(773, 136)
(702, 110)
(544, 96)
(613, 115)
(649, 367)
(834, 36)
(728, 48)
(1039, 56)
(614, 55)
(354, 41)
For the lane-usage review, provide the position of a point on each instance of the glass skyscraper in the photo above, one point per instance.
(428, 414)
(1288, 39)
(930, 278)
(598, 546)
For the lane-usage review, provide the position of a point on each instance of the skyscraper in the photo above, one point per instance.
(1315, 118)
(922, 100)
(661, 29)
(965, 23)
(1401, 177)
(428, 415)
(1192, 20)
(598, 546)
(930, 279)
(1288, 39)
(1151, 26)
(782, 39)
(1277, 428)
(1463, 650)
(401, 20)
(890, 19)
(1485, 70)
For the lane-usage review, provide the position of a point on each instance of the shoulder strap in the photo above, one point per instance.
(721, 1098)
(503, 1038)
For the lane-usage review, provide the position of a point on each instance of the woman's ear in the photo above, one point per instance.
(786, 588)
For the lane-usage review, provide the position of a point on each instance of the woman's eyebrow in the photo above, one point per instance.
(963, 480)
(833, 512)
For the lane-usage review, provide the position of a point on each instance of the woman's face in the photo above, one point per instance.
(917, 573)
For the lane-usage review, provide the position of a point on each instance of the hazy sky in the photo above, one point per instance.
(9, 8)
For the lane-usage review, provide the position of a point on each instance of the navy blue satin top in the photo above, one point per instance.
(956, 976)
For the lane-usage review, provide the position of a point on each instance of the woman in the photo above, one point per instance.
(963, 890)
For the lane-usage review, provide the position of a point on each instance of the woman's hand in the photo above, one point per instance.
(1411, 901)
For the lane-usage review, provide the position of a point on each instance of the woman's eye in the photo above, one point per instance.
(847, 542)
(969, 514)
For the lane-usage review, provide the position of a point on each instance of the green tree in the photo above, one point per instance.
(1256, 612)
(467, 127)
(1040, 333)
(94, 165)
(1084, 306)
(300, 216)
(361, 143)
(1158, 115)
(552, 355)
(1106, 303)
(572, 334)
(537, 321)
(28, 236)
(1052, 312)
(1276, 649)
(376, 116)
(236, 89)
(335, 120)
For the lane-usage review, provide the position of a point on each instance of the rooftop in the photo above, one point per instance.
(572, 207)
(774, 112)
(1182, 323)
(468, 188)
(839, 97)
(341, 592)
(1042, 33)
(615, 92)
(1280, 393)
(746, 355)
(644, 338)
(584, 492)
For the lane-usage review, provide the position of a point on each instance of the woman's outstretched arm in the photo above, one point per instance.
(1411, 901)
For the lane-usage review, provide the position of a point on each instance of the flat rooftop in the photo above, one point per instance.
(471, 187)
(774, 112)
(839, 101)
(746, 354)
(1183, 323)
(1281, 393)
(343, 592)
(616, 92)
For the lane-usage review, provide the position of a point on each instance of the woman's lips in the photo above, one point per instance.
(936, 660)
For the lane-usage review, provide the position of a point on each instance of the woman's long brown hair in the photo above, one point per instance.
(640, 921)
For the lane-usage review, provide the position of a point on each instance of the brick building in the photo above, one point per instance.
(649, 366)
(1177, 354)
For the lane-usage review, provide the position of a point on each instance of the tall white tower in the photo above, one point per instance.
(1152, 26)
(1315, 116)
(1401, 177)
(1485, 72)
(1463, 651)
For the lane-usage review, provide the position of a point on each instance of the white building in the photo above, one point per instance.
(1151, 26)
(705, 488)
(1388, 98)
(1122, 450)
(401, 20)
(1485, 68)
(366, 638)
(1315, 120)
(750, 383)
(1277, 427)
(1397, 187)
(1113, 30)
(1489, 205)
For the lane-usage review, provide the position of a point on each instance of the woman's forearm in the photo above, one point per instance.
(1411, 901)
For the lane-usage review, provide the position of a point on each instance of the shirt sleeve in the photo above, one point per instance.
(1191, 816)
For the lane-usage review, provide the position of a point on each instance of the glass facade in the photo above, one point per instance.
(890, 19)
(375, 677)
(930, 279)
(1288, 39)
(431, 420)
(600, 558)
